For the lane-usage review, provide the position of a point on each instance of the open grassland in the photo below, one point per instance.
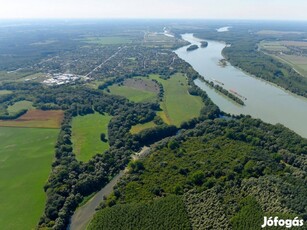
(25, 162)
(140, 127)
(4, 92)
(108, 40)
(132, 93)
(36, 119)
(178, 105)
(142, 84)
(86, 132)
(289, 52)
(20, 105)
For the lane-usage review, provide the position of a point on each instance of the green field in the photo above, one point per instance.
(133, 94)
(140, 127)
(86, 132)
(178, 105)
(108, 40)
(4, 92)
(25, 163)
(20, 105)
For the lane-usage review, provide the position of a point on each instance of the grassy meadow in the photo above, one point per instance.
(4, 92)
(86, 132)
(25, 163)
(140, 127)
(178, 105)
(133, 94)
(20, 105)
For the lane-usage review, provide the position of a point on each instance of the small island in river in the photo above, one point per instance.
(223, 62)
(204, 44)
(192, 47)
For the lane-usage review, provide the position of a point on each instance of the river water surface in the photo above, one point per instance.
(264, 100)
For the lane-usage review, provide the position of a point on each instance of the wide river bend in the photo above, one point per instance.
(264, 100)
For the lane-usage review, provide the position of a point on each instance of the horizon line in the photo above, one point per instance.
(148, 19)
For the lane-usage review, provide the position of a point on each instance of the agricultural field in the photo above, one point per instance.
(137, 90)
(86, 132)
(36, 119)
(18, 106)
(178, 105)
(26, 156)
(293, 53)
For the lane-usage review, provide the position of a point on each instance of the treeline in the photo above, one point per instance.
(161, 90)
(13, 116)
(224, 91)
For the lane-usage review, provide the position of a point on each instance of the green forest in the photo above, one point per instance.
(228, 174)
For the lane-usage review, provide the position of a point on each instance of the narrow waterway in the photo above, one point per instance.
(264, 100)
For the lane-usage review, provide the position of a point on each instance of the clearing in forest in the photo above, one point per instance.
(137, 90)
(178, 105)
(86, 131)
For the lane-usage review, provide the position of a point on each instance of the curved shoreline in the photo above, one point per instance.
(265, 100)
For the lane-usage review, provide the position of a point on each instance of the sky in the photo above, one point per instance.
(199, 9)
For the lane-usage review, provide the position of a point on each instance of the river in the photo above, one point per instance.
(264, 100)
